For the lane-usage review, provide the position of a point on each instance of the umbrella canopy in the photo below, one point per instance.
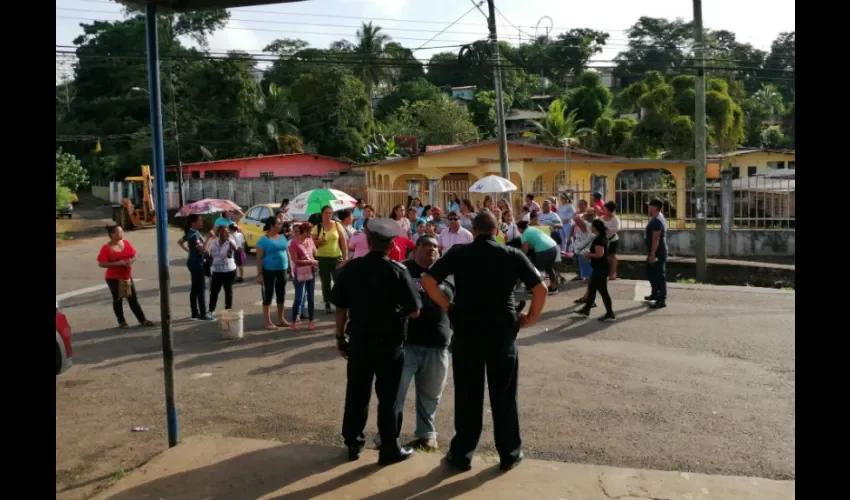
(207, 206)
(311, 202)
(492, 184)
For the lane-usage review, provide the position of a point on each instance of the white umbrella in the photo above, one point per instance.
(492, 184)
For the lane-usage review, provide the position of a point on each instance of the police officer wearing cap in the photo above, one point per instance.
(374, 297)
(486, 322)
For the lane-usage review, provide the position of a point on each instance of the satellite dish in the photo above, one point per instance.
(206, 153)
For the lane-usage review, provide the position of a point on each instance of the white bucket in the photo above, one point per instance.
(231, 324)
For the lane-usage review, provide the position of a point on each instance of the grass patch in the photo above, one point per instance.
(787, 288)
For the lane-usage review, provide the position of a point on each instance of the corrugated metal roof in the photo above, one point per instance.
(525, 114)
(741, 152)
(438, 147)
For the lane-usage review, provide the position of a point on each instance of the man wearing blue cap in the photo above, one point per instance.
(370, 331)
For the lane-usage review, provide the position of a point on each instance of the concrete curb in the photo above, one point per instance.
(235, 468)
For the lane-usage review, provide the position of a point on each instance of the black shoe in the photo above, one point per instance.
(354, 452)
(553, 290)
(658, 304)
(239, 280)
(583, 312)
(506, 466)
(401, 455)
(457, 464)
(608, 318)
(650, 298)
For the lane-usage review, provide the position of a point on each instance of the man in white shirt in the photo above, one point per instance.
(454, 234)
(549, 218)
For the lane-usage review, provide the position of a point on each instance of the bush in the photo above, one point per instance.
(63, 196)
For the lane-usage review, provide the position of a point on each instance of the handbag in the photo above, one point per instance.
(125, 288)
(303, 273)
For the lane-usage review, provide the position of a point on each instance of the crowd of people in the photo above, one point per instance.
(410, 292)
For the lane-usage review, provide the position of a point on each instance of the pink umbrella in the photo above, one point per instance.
(207, 206)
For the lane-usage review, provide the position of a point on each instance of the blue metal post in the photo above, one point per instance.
(161, 219)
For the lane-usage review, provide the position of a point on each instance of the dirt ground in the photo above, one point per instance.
(706, 385)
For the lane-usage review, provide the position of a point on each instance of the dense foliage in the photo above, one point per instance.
(322, 99)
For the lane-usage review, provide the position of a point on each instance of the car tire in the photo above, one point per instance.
(58, 360)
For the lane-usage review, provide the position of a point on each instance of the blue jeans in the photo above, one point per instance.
(565, 235)
(429, 367)
(584, 269)
(302, 289)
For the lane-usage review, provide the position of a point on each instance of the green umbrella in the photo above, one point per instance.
(311, 202)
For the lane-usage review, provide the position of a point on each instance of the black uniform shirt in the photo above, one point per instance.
(379, 295)
(485, 274)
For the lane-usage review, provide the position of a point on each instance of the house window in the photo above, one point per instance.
(267, 175)
(792, 165)
(751, 171)
(736, 172)
(775, 165)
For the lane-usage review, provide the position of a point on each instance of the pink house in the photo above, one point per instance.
(271, 166)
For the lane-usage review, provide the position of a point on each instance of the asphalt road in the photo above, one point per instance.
(705, 385)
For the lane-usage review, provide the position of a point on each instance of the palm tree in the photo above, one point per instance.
(281, 114)
(770, 99)
(559, 128)
(370, 51)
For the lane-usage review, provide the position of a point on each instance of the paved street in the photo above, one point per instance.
(706, 385)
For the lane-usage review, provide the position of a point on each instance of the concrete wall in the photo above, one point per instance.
(745, 243)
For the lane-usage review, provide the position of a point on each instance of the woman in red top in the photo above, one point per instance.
(117, 257)
(401, 245)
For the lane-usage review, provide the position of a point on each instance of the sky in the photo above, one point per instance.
(412, 23)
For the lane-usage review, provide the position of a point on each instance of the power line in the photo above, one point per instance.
(474, 6)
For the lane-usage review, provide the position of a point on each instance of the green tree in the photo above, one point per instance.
(590, 99)
(336, 115)
(69, 171)
(437, 121)
(280, 115)
(655, 44)
(483, 109)
(444, 69)
(227, 102)
(403, 65)
(773, 138)
(411, 91)
(782, 63)
(789, 126)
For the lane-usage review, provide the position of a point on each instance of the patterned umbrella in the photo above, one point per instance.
(207, 206)
(311, 202)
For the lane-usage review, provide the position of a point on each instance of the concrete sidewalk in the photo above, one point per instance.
(215, 467)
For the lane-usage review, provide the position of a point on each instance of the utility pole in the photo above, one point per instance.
(699, 150)
(504, 169)
(176, 140)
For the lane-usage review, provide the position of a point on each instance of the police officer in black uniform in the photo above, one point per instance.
(486, 322)
(374, 297)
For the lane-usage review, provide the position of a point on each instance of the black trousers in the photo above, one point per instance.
(218, 281)
(197, 301)
(545, 261)
(118, 303)
(657, 275)
(472, 356)
(274, 284)
(599, 283)
(382, 364)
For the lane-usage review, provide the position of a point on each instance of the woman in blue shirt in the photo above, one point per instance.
(196, 246)
(272, 267)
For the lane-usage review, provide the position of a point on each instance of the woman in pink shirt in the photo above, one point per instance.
(302, 255)
(358, 246)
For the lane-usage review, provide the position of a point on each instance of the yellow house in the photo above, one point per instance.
(749, 162)
(535, 169)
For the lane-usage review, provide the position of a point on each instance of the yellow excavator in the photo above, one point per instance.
(137, 210)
